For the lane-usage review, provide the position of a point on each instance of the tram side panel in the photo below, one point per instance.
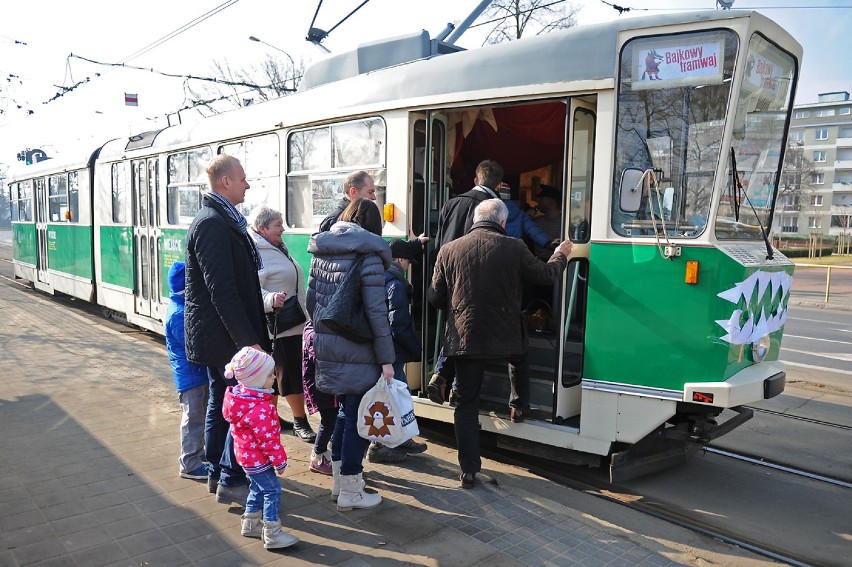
(113, 238)
(69, 239)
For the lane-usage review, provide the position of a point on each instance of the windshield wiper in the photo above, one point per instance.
(739, 187)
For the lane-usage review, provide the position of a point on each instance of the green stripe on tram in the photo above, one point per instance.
(69, 249)
(117, 266)
(24, 243)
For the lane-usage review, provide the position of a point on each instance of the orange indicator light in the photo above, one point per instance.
(388, 212)
(692, 272)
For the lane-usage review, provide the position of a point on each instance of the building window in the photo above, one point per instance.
(819, 178)
(816, 200)
(814, 222)
(797, 136)
(819, 156)
(822, 133)
(844, 111)
(825, 112)
(788, 224)
(801, 114)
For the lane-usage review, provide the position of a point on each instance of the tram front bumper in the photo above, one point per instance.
(757, 382)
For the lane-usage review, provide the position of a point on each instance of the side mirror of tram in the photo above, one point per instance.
(630, 190)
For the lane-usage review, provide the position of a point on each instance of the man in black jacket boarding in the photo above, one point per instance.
(478, 281)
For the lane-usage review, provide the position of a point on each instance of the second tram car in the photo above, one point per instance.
(664, 136)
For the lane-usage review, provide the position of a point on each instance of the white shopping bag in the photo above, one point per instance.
(386, 414)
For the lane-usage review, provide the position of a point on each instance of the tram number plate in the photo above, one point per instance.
(702, 397)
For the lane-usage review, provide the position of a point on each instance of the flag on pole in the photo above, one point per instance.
(131, 99)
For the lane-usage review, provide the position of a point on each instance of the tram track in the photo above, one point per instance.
(801, 418)
(763, 462)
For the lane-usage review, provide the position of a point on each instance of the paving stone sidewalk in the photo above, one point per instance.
(89, 476)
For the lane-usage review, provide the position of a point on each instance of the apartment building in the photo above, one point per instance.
(821, 133)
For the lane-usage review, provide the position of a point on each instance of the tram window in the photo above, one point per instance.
(119, 193)
(74, 197)
(319, 159)
(57, 200)
(261, 162)
(187, 178)
(309, 150)
(582, 167)
(359, 143)
(13, 201)
(671, 116)
(25, 201)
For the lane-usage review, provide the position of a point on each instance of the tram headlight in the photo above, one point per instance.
(760, 349)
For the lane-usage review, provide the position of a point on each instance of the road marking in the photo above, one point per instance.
(823, 368)
(786, 336)
(823, 321)
(836, 356)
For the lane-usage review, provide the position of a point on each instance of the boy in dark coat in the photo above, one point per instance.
(406, 342)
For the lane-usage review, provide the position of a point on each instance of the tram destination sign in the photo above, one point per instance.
(665, 63)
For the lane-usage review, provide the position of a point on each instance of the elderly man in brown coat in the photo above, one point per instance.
(477, 281)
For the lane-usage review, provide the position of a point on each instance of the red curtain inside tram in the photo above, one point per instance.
(520, 138)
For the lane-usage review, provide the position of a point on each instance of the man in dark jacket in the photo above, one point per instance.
(455, 221)
(224, 310)
(477, 281)
(358, 185)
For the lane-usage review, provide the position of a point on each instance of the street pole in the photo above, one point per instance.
(292, 62)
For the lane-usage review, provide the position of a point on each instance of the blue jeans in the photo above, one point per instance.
(399, 373)
(217, 433)
(444, 366)
(346, 445)
(192, 404)
(265, 493)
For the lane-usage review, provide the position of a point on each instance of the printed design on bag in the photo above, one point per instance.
(379, 419)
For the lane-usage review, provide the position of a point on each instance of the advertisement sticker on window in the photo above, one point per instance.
(659, 64)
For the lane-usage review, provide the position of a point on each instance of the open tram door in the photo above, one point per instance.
(577, 219)
(429, 193)
(41, 219)
(146, 235)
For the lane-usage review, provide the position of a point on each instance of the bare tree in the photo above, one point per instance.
(234, 88)
(513, 18)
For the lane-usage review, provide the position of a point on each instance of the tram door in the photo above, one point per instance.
(41, 219)
(576, 214)
(146, 237)
(429, 192)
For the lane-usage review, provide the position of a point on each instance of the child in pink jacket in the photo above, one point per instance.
(254, 423)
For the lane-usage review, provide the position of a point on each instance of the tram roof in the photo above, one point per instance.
(575, 54)
(586, 53)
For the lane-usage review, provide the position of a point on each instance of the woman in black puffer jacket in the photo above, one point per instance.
(345, 368)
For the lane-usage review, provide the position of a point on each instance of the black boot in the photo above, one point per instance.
(285, 425)
(302, 430)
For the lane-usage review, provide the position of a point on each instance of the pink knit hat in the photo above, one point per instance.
(250, 367)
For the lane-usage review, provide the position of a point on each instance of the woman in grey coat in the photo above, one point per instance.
(345, 368)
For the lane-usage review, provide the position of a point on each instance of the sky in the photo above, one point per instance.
(35, 51)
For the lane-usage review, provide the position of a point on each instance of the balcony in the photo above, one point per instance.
(844, 142)
(840, 164)
(789, 229)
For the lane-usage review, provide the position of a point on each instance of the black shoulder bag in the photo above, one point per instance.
(345, 313)
(288, 315)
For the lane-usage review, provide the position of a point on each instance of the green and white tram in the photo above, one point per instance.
(665, 136)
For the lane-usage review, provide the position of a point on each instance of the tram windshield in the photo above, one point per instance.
(760, 123)
(672, 101)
